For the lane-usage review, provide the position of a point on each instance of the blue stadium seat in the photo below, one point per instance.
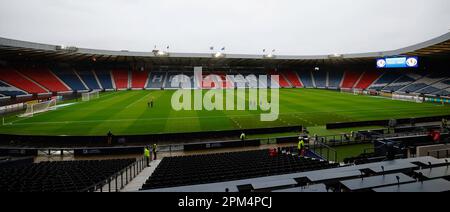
(320, 77)
(168, 80)
(105, 79)
(69, 77)
(335, 78)
(7, 90)
(156, 80)
(88, 77)
(306, 78)
(385, 80)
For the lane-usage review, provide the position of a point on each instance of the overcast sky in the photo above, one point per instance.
(294, 27)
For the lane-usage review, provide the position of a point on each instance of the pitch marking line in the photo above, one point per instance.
(142, 98)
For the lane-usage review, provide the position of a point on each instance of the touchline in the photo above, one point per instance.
(234, 99)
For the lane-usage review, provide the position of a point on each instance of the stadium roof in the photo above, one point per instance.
(17, 50)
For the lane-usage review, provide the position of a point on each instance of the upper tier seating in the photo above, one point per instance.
(120, 78)
(46, 78)
(350, 79)
(8, 90)
(105, 79)
(139, 79)
(200, 169)
(367, 79)
(293, 79)
(69, 77)
(88, 77)
(18, 80)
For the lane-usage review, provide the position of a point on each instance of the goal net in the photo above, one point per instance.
(90, 96)
(34, 108)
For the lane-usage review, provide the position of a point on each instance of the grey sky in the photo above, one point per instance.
(297, 27)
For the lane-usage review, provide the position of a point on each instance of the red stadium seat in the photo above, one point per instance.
(46, 78)
(138, 79)
(120, 78)
(350, 79)
(367, 79)
(13, 77)
(293, 78)
(283, 81)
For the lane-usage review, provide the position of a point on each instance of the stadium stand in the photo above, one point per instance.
(284, 83)
(306, 78)
(334, 79)
(421, 83)
(350, 79)
(170, 77)
(445, 92)
(89, 78)
(385, 80)
(8, 90)
(436, 87)
(402, 82)
(191, 76)
(293, 79)
(139, 79)
(199, 169)
(320, 77)
(46, 78)
(120, 78)
(367, 79)
(17, 80)
(400, 175)
(61, 176)
(105, 79)
(237, 80)
(69, 77)
(156, 80)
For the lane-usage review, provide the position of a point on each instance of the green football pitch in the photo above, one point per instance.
(127, 113)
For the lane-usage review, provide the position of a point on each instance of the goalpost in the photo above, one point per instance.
(34, 108)
(89, 96)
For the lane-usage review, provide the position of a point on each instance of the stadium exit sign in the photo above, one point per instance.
(398, 62)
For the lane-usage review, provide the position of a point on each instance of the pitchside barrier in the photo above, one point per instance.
(168, 138)
(128, 150)
(441, 100)
(385, 122)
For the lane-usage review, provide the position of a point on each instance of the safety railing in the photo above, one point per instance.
(324, 151)
(120, 179)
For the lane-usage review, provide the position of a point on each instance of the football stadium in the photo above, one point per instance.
(79, 119)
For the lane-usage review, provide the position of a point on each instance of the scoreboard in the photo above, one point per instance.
(398, 62)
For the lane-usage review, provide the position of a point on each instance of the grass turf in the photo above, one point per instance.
(126, 113)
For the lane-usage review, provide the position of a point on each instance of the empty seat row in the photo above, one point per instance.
(61, 176)
(199, 169)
